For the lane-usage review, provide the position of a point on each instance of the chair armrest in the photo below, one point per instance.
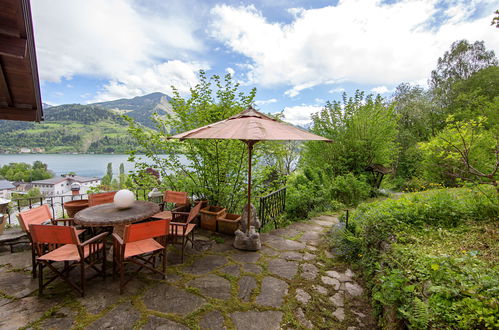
(65, 221)
(95, 239)
(118, 238)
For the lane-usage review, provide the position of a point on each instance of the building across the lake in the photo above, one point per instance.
(65, 184)
(6, 188)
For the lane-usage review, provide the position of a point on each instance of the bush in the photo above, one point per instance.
(349, 189)
(431, 256)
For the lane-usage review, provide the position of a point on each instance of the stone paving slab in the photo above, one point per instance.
(287, 284)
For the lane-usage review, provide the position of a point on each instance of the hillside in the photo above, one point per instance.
(93, 128)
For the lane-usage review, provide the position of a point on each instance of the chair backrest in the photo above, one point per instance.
(35, 216)
(151, 229)
(42, 234)
(101, 198)
(177, 197)
(194, 212)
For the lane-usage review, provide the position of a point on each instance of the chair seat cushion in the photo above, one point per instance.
(163, 215)
(179, 230)
(67, 252)
(141, 247)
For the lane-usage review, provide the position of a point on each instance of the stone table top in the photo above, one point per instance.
(109, 215)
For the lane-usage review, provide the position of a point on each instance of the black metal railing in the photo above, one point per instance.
(271, 206)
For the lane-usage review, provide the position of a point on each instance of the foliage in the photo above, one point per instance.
(212, 169)
(363, 130)
(31, 196)
(25, 172)
(464, 150)
(431, 256)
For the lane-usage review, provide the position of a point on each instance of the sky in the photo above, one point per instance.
(297, 53)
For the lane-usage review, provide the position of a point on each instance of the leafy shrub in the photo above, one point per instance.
(350, 190)
(411, 250)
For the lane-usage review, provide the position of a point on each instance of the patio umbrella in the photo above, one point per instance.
(250, 126)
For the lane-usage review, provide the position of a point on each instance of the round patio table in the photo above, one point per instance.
(107, 215)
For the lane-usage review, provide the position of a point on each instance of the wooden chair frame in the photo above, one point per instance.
(40, 215)
(179, 231)
(47, 239)
(101, 198)
(141, 232)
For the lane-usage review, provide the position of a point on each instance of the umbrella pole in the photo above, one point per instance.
(250, 151)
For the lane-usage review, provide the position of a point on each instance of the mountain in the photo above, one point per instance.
(95, 128)
(46, 106)
(140, 108)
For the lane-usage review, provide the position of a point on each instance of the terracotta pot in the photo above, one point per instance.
(229, 223)
(73, 207)
(3, 220)
(209, 216)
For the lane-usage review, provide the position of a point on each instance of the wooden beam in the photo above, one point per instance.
(12, 46)
(4, 87)
(7, 113)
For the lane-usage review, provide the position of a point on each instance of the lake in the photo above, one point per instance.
(81, 164)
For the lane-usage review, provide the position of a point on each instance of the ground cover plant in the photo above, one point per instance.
(430, 258)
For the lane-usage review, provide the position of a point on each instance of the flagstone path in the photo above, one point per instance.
(293, 282)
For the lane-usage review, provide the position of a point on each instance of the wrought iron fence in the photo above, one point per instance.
(271, 206)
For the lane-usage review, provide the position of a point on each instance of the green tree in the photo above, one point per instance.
(25, 172)
(108, 178)
(212, 169)
(123, 176)
(464, 150)
(363, 130)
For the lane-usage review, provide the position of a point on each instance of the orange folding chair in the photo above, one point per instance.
(37, 216)
(141, 243)
(179, 231)
(101, 198)
(61, 244)
(178, 198)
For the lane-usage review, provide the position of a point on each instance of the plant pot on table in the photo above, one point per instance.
(73, 207)
(209, 216)
(228, 224)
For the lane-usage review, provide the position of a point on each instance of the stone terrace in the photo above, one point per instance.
(292, 282)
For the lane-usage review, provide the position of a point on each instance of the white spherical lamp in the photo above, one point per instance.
(124, 199)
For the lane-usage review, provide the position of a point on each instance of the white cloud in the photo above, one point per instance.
(365, 41)
(158, 78)
(300, 114)
(112, 39)
(380, 90)
(263, 102)
(337, 90)
(230, 71)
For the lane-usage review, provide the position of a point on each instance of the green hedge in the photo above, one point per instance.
(430, 257)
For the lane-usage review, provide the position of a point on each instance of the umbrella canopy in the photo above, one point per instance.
(250, 126)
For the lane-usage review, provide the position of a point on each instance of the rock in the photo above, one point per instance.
(248, 242)
(312, 248)
(20, 284)
(353, 289)
(272, 292)
(252, 268)
(320, 289)
(309, 256)
(359, 314)
(62, 319)
(268, 251)
(339, 276)
(246, 256)
(213, 286)
(231, 270)
(20, 312)
(282, 244)
(212, 320)
(246, 286)
(156, 322)
(283, 268)
(337, 299)
(122, 317)
(302, 296)
(206, 264)
(270, 320)
(303, 320)
(339, 314)
(309, 271)
(292, 255)
(331, 281)
(161, 298)
(349, 273)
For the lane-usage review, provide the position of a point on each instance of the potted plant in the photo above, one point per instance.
(209, 216)
(228, 223)
(73, 207)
